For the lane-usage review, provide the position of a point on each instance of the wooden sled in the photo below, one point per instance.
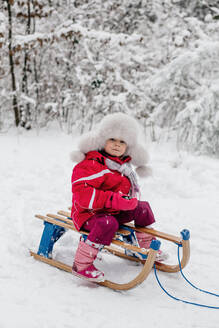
(55, 226)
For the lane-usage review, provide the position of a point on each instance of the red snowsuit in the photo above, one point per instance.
(92, 185)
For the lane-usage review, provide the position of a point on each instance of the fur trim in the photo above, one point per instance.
(144, 171)
(138, 154)
(89, 141)
(77, 156)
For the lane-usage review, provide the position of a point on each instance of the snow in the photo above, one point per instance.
(35, 178)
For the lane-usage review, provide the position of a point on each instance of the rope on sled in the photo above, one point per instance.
(191, 284)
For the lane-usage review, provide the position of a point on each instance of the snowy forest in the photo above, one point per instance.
(75, 61)
(64, 65)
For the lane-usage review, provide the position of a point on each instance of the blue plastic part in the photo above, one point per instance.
(155, 244)
(83, 237)
(131, 239)
(127, 228)
(185, 234)
(51, 234)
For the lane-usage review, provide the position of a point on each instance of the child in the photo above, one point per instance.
(105, 189)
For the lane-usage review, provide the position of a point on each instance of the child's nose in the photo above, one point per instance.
(117, 143)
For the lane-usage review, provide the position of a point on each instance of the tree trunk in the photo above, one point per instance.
(11, 62)
(26, 117)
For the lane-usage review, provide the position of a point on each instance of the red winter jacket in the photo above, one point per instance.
(93, 184)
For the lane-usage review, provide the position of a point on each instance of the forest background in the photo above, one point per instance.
(75, 61)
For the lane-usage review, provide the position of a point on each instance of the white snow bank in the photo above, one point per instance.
(35, 178)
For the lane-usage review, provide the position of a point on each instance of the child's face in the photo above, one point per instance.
(115, 147)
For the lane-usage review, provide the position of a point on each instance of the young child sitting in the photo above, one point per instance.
(105, 189)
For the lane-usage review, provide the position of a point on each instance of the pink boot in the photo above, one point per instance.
(83, 264)
(145, 239)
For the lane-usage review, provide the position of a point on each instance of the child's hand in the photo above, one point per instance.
(121, 202)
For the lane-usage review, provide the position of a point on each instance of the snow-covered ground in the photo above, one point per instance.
(35, 175)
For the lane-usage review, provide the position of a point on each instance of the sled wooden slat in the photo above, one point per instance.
(57, 222)
(156, 233)
(68, 215)
(153, 232)
(61, 218)
(115, 251)
(183, 262)
(52, 262)
(138, 279)
(159, 265)
(107, 283)
(128, 246)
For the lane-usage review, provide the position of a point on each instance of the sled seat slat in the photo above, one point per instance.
(67, 217)
(67, 214)
(72, 227)
(153, 232)
(59, 222)
(156, 233)
(61, 218)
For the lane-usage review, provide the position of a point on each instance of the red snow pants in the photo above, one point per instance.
(102, 226)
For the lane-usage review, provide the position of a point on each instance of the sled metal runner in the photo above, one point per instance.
(56, 225)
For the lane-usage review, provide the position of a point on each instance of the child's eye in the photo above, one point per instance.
(112, 139)
(122, 142)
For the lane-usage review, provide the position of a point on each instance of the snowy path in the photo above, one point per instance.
(35, 178)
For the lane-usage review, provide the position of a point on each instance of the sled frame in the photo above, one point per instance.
(57, 224)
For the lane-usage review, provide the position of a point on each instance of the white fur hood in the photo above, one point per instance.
(119, 126)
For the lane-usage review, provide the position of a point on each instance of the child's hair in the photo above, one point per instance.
(119, 126)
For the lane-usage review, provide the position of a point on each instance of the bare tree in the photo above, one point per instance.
(11, 62)
(26, 111)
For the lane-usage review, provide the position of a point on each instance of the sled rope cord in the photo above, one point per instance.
(56, 225)
(182, 300)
